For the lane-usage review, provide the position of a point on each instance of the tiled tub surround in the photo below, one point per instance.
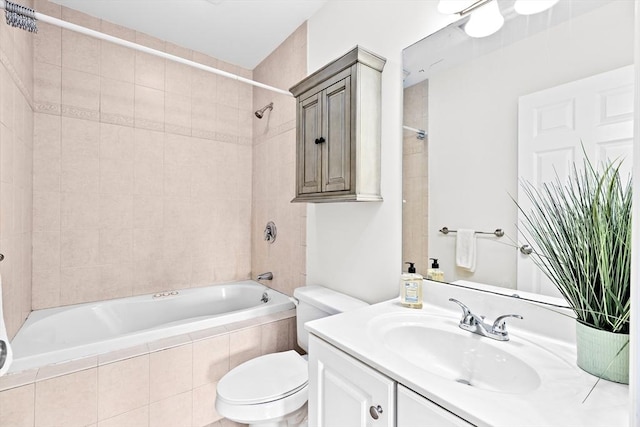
(56, 335)
(16, 166)
(170, 382)
(142, 167)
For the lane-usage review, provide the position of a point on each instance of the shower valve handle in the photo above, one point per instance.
(320, 140)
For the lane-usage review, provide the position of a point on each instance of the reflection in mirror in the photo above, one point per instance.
(517, 104)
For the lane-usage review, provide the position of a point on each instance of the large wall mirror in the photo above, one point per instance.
(488, 106)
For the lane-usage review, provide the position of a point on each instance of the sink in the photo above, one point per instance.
(436, 344)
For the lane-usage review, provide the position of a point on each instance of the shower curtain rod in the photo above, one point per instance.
(102, 36)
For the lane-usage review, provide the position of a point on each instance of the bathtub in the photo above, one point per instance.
(61, 334)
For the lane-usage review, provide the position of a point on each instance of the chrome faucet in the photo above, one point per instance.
(265, 276)
(476, 324)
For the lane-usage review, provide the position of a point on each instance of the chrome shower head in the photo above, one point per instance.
(260, 113)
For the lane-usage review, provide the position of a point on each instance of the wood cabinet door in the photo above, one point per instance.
(336, 130)
(309, 149)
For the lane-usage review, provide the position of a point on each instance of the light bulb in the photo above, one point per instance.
(529, 7)
(449, 7)
(485, 20)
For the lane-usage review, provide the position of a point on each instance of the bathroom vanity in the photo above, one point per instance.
(387, 365)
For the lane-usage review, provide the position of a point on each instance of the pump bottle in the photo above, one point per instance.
(434, 273)
(411, 288)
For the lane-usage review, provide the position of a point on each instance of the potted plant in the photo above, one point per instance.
(581, 233)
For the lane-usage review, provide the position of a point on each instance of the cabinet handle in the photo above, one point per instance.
(374, 411)
(320, 140)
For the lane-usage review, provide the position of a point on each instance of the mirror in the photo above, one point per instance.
(465, 94)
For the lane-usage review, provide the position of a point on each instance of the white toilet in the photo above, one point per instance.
(271, 390)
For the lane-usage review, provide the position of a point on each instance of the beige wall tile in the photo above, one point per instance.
(178, 78)
(48, 44)
(275, 337)
(174, 411)
(171, 373)
(210, 360)
(244, 344)
(70, 400)
(79, 174)
(79, 284)
(45, 288)
(47, 87)
(178, 113)
(136, 418)
(46, 251)
(204, 409)
(149, 108)
(116, 246)
(80, 94)
(116, 142)
(79, 248)
(46, 211)
(118, 62)
(116, 211)
(17, 406)
(79, 211)
(80, 52)
(148, 211)
(123, 386)
(116, 175)
(149, 70)
(116, 281)
(116, 102)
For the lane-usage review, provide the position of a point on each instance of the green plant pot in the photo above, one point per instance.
(600, 354)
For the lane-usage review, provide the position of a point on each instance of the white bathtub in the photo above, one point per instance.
(66, 333)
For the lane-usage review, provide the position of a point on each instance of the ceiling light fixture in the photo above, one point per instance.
(485, 20)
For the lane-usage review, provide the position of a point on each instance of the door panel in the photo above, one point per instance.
(553, 127)
(309, 160)
(337, 128)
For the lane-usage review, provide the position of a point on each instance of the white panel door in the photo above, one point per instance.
(417, 411)
(554, 124)
(345, 392)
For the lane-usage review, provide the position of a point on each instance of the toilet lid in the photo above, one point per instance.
(264, 379)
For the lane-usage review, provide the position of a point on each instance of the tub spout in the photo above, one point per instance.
(265, 276)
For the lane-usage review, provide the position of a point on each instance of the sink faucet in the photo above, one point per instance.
(265, 276)
(476, 324)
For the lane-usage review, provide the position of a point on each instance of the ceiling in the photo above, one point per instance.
(240, 32)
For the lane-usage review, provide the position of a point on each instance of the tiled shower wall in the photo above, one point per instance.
(16, 164)
(142, 167)
(415, 168)
(274, 168)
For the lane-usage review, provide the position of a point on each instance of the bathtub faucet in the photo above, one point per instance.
(265, 276)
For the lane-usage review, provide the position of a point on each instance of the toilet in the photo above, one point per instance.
(272, 390)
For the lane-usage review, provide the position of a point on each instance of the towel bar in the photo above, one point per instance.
(498, 231)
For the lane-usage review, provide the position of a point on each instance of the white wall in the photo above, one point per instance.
(473, 187)
(356, 247)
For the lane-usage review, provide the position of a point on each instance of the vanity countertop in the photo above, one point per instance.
(556, 401)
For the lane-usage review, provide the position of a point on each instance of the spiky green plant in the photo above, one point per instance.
(581, 232)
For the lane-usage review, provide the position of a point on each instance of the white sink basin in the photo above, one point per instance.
(436, 344)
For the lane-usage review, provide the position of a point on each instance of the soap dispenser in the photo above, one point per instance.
(434, 273)
(411, 288)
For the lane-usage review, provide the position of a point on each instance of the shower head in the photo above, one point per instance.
(260, 113)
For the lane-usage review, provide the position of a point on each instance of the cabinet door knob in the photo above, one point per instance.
(375, 411)
(319, 140)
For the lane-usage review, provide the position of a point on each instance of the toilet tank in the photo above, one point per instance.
(315, 302)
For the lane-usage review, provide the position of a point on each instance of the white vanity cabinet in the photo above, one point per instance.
(345, 392)
(417, 411)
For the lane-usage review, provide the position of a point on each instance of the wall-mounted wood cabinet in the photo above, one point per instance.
(338, 130)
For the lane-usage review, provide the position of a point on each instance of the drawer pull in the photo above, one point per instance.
(375, 411)
(320, 140)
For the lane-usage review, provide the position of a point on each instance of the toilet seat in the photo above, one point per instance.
(264, 379)
(265, 388)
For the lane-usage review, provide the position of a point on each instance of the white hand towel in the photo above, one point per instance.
(8, 356)
(466, 249)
